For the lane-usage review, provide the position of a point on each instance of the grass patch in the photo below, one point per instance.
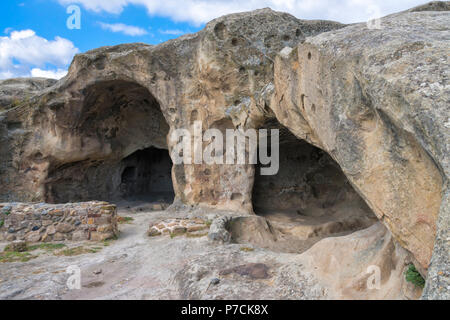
(46, 246)
(122, 220)
(247, 249)
(69, 252)
(13, 256)
(413, 276)
(42, 246)
(9, 255)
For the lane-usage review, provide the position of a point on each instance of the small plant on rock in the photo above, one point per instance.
(413, 276)
(122, 220)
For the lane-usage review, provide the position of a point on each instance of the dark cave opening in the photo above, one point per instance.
(128, 175)
(123, 139)
(310, 196)
(147, 176)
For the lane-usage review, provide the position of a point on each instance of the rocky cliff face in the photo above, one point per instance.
(375, 100)
(15, 91)
(117, 100)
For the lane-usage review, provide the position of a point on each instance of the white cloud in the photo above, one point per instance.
(111, 6)
(18, 35)
(6, 74)
(23, 50)
(123, 28)
(198, 12)
(175, 32)
(53, 74)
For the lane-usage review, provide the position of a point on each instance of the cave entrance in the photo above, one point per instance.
(146, 176)
(309, 197)
(118, 135)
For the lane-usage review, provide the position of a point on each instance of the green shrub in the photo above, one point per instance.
(1, 223)
(413, 276)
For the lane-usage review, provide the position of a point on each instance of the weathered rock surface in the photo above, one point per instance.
(177, 227)
(432, 6)
(13, 92)
(376, 101)
(292, 233)
(118, 100)
(349, 265)
(139, 267)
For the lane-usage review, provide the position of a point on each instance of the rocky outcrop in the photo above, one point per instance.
(367, 264)
(374, 100)
(42, 222)
(176, 227)
(13, 92)
(377, 102)
(117, 100)
(432, 6)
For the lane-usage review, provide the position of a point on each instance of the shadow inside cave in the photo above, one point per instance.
(310, 198)
(120, 133)
(147, 176)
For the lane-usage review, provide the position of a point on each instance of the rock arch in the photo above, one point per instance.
(384, 128)
(119, 126)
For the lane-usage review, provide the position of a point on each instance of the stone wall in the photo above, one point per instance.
(48, 222)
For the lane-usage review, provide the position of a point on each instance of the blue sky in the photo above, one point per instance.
(35, 41)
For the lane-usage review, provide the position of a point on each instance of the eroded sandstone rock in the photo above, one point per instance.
(14, 92)
(367, 264)
(377, 102)
(334, 268)
(115, 101)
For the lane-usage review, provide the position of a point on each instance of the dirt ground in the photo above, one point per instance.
(136, 266)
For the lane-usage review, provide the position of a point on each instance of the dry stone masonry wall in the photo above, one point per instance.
(41, 222)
